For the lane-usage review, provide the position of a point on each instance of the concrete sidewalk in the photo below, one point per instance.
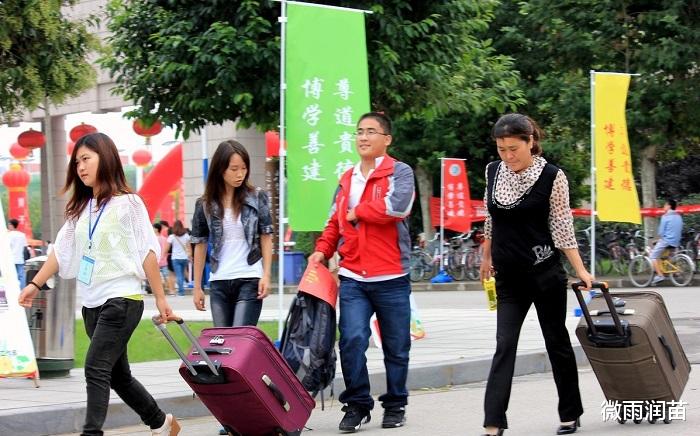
(457, 350)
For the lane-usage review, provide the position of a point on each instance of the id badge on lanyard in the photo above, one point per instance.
(87, 262)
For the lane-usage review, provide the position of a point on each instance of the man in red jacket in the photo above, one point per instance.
(368, 228)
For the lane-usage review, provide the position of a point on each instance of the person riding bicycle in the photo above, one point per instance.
(670, 229)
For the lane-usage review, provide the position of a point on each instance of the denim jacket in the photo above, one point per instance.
(255, 217)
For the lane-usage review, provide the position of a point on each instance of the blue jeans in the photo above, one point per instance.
(106, 364)
(390, 301)
(235, 302)
(21, 276)
(180, 266)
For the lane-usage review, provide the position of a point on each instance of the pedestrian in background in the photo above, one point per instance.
(108, 245)
(167, 231)
(18, 244)
(528, 223)
(368, 228)
(163, 259)
(669, 233)
(179, 242)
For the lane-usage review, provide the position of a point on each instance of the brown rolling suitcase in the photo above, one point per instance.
(633, 348)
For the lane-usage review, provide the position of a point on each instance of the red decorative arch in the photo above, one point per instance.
(163, 178)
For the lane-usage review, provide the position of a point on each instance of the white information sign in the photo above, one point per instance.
(17, 357)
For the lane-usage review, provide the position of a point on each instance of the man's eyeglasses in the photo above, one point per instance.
(368, 132)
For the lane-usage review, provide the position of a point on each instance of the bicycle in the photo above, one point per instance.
(420, 265)
(677, 265)
(473, 253)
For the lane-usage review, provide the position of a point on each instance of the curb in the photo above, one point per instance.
(423, 286)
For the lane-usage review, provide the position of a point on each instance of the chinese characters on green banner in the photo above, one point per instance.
(327, 90)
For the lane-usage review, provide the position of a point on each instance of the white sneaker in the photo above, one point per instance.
(657, 279)
(169, 428)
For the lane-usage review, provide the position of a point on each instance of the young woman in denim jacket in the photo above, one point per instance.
(235, 218)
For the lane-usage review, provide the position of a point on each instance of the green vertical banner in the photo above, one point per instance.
(327, 90)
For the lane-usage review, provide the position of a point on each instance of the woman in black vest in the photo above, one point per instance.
(528, 223)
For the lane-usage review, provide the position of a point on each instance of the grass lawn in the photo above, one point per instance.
(148, 343)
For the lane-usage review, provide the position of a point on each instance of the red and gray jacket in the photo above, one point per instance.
(378, 243)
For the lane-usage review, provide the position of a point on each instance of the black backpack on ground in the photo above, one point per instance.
(308, 342)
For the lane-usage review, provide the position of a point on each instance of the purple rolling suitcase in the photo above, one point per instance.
(244, 381)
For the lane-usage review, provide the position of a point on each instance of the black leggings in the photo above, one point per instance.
(516, 292)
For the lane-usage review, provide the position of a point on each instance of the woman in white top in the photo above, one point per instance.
(108, 245)
(235, 219)
(179, 240)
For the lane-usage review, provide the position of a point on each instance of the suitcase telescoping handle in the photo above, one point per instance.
(158, 322)
(603, 286)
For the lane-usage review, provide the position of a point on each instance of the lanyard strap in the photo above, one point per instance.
(91, 228)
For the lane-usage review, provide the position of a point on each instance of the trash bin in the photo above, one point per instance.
(51, 322)
(293, 267)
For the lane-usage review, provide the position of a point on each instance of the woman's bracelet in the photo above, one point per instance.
(32, 282)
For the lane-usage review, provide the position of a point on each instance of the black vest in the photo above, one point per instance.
(520, 238)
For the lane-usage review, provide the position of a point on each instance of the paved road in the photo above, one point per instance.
(457, 410)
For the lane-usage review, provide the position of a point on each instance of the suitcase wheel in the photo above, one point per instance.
(230, 431)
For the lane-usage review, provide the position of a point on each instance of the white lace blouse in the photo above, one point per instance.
(121, 241)
(510, 186)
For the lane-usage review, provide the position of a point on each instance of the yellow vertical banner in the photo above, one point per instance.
(616, 193)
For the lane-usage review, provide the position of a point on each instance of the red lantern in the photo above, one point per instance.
(272, 144)
(17, 180)
(18, 152)
(70, 145)
(142, 129)
(81, 130)
(31, 139)
(16, 177)
(141, 157)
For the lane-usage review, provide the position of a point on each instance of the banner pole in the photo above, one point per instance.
(593, 173)
(442, 214)
(282, 220)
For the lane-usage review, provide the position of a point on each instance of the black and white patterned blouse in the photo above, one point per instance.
(510, 186)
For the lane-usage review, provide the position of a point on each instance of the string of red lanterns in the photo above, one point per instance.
(143, 156)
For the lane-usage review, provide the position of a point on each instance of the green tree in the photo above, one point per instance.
(556, 43)
(189, 63)
(42, 56)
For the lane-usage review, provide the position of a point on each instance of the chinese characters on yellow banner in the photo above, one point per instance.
(617, 198)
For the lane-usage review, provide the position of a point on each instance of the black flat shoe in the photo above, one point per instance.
(571, 428)
(500, 433)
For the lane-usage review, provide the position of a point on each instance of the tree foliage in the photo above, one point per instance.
(190, 63)
(42, 55)
(679, 179)
(556, 43)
